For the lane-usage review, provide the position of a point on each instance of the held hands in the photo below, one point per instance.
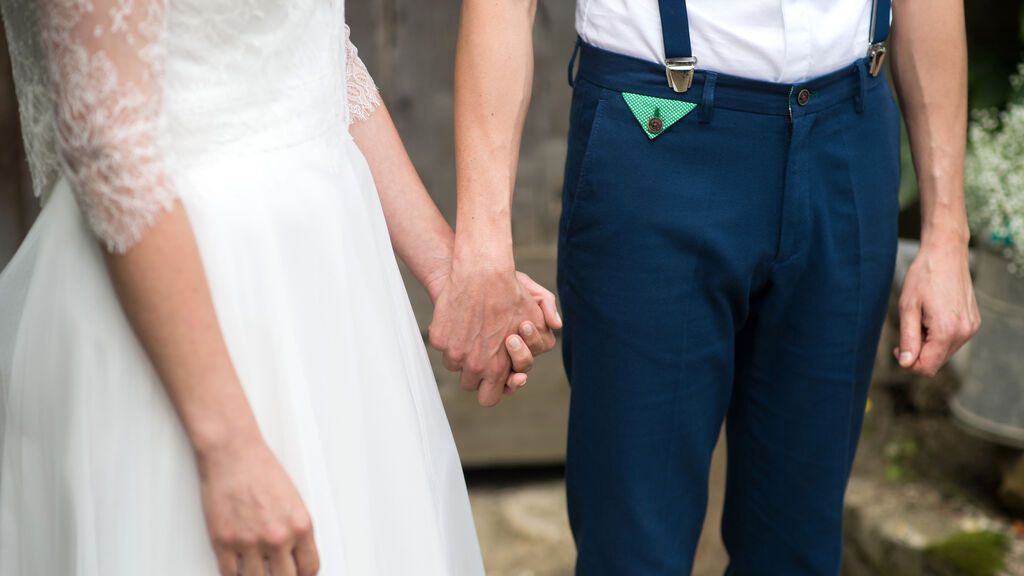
(938, 311)
(256, 519)
(490, 325)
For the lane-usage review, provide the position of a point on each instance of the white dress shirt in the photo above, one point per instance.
(776, 40)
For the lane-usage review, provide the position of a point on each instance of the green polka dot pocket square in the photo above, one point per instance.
(655, 115)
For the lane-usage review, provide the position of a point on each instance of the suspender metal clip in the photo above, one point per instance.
(679, 72)
(876, 56)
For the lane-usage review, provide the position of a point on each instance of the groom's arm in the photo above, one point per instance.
(493, 80)
(483, 301)
(938, 313)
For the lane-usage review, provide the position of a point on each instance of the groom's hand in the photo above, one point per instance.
(938, 311)
(475, 313)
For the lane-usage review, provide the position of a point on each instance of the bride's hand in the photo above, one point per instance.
(257, 521)
(529, 342)
(543, 340)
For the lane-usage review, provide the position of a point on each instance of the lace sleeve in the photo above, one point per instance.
(363, 96)
(105, 64)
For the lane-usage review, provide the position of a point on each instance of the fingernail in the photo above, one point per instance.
(515, 343)
(906, 357)
(559, 316)
(523, 383)
(527, 329)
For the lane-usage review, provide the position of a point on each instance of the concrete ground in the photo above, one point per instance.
(524, 531)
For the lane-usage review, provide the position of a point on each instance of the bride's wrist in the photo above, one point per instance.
(436, 280)
(221, 439)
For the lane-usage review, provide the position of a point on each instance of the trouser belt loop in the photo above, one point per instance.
(862, 87)
(572, 62)
(707, 103)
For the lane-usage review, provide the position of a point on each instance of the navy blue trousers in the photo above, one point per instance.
(734, 269)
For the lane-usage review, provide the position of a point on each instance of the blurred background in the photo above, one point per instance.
(938, 487)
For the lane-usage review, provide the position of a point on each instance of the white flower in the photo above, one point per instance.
(995, 175)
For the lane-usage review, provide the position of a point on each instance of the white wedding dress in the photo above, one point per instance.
(240, 109)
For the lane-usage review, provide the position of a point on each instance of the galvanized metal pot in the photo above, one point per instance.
(991, 401)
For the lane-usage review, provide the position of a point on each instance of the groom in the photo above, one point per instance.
(726, 253)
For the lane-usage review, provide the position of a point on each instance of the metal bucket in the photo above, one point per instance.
(990, 402)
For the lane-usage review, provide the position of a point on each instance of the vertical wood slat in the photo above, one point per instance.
(18, 208)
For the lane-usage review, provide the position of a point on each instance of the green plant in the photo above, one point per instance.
(899, 454)
(979, 553)
(995, 175)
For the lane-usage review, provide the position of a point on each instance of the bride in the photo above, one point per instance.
(235, 360)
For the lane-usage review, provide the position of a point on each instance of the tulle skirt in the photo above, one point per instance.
(96, 475)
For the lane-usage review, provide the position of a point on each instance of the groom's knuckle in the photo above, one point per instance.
(223, 537)
(310, 568)
(474, 364)
(457, 356)
(244, 541)
(276, 536)
(436, 338)
(946, 329)
(301, 525)
(963, 331)
(968, 328)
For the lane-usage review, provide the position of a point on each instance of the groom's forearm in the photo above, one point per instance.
(930, 71)
(493, 80)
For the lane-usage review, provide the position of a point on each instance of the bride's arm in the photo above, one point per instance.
(105, 62)
(420, 235)
(251, 506)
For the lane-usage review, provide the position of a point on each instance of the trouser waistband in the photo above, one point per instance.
(711, 89)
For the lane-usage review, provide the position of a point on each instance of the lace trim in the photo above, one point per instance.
(105, 59)
(90, 81)
(362, 93)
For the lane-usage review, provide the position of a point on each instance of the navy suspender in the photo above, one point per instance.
(880, 14)
(680, 62)
(675, 29)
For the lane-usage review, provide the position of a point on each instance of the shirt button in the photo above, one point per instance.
(803, 96)
(655, 125)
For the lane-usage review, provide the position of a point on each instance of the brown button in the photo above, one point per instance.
(803, 96)
(655, 125)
